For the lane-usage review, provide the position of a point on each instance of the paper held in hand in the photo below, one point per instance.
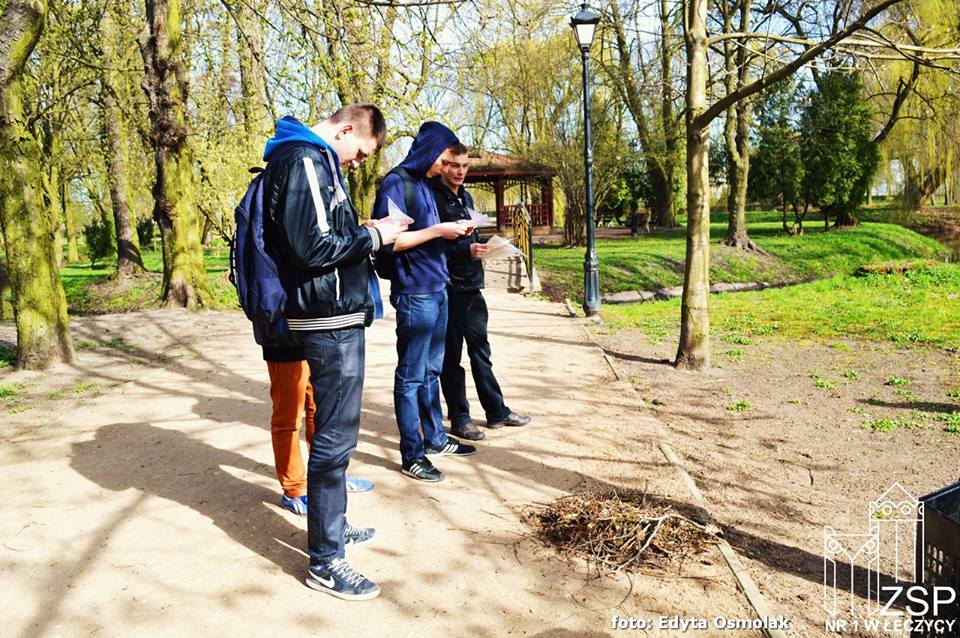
(478, 219)
(394, 213)
(500, 248)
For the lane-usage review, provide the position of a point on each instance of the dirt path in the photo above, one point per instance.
(139, 495)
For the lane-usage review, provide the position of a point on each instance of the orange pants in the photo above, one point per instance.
(292, 397)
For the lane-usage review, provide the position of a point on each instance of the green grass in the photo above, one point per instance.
(80, 279)
(656, 261)
(10, 390)
(874, 307)
(8, 356)
(740, 406)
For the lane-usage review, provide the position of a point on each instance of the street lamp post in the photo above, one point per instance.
(584, 24)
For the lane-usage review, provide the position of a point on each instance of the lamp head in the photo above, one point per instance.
(584, 25)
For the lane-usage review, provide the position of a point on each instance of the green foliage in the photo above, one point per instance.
(776, 169)
(838, 151)
(897, 382)
(825, 384)
(888, 424)
(851, 374)
(740, 406)
(98, 235)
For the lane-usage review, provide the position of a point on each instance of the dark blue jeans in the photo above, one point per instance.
(421, 330)
(336, 362)
(467, 321)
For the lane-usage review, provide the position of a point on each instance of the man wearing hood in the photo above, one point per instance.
(312, 230)
(418, 291)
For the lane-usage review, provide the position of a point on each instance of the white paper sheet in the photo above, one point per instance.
(394, 213)
(500, 248)
(479, 219)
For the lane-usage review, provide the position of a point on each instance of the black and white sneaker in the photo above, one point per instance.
(422, 470)
(452, 447)
(357, 535)
(338, 579)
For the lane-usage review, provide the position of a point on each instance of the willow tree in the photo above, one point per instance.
(175, 210)
(693, 351)
(28, 225)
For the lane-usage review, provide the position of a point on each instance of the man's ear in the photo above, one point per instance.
(344, 130)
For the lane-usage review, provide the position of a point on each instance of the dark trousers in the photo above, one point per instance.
(336, 361)
(467, 321)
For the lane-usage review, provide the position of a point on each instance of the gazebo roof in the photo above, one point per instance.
(485, 165)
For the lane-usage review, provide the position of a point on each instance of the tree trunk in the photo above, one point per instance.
(29, 226)
(694, 350)
(664, 215)
(176, 214)
(920, 187)
(255, 103)
(665, 203)
(129, 260)
(737, 133)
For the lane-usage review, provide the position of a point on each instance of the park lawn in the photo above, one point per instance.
(656, 261)
(89, 289)
(920, 307)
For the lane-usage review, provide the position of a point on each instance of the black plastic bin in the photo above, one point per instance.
(938, 556)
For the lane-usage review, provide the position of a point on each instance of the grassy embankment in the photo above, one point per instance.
(919, 307)
(90, 289)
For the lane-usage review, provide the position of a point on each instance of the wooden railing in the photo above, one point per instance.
(539, 214)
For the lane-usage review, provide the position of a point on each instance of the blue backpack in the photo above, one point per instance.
(252, 271)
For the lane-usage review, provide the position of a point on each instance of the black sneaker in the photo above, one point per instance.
(422, 470)
(338, 579)
(452, 447)
(357, 535)
(511, 420)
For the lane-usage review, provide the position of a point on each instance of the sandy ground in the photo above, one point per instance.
(140, 499)
(799, 459)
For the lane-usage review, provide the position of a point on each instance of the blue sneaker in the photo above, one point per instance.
(296, 504)
(338, 579)
(357, 484)
(357, 535)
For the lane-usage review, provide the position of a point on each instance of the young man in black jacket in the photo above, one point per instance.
(467, 315)
(323, 254)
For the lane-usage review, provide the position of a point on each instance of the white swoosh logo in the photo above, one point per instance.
(326, 582)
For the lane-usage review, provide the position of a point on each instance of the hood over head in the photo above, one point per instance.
(289, 129)
(432, 139)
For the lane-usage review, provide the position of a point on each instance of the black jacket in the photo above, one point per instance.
(466, 273)
(324, 261)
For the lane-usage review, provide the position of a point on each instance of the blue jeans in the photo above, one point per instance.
(421, 333)
(336, 362)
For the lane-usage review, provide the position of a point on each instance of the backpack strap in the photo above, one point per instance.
(409, 186)
(311, 171)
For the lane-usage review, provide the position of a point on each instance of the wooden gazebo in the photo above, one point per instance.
(499, 172)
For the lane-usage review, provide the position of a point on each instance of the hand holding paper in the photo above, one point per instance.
(500, 248)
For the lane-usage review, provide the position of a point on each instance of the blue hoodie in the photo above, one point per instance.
(422, 269)
(289, 129)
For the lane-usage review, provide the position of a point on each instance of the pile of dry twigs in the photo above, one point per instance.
(619, 530)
